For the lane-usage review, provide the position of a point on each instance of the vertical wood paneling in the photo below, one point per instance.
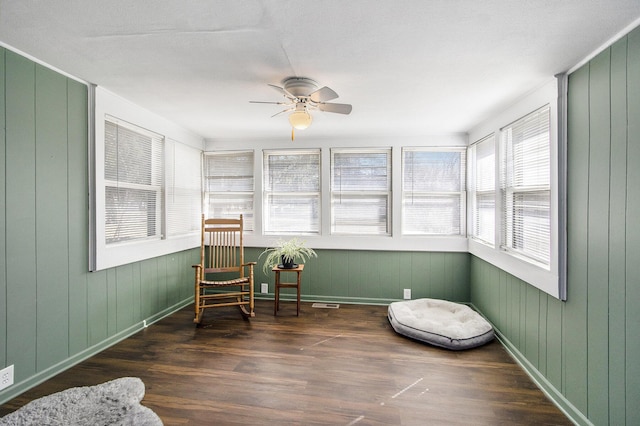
(112, 301)
(436, 274)
(192, 257)
(480, 271)
(338, 283)
(78, 216)
(532, 323)
(388, 264)
(420, 278)
(136, 293)
(3, 206)
(149, 276)
(632, 291)
(493, 291)
(97, 307)
(598, 236)
(541, 329)
(503, 323)
(356, 282)
(163, 293)
(575, 343)
(516, 312)
(588, 346)
(361, 275)
(449, 279)
(522, 289)
(339, 264)
(617, 231)
(52, 244)
(405, 273)
(20, 215)
(173, 278)
(124, 294)
(554, 341)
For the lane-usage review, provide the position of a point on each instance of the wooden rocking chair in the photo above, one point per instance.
(222, 258)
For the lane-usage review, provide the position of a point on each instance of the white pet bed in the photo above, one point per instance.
(441, 323)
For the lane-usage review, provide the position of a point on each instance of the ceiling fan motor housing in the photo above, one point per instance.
(299, 86)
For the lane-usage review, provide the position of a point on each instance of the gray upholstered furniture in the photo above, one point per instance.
(112, 403)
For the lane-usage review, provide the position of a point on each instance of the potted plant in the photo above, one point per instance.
(285, 253)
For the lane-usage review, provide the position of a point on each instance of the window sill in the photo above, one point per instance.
(545, 280)
(366, 242)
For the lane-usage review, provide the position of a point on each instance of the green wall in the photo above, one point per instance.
(53, 313)
(377, 277)
(585, 351)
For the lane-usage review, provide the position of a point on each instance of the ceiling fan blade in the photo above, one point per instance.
(283, 91)
(323, 94)
(339, 108)
(283, 111)
(267, 102)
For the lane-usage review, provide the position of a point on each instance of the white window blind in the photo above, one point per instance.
(482, 191)
(184, 189)
(291, 185)
(134, 178)
(525, 184)
(360, 191)
(229, 185)
(433, 191)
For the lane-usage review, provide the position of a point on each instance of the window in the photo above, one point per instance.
(530, 161)
(433, 191)
(184, 189)
(360, 191)
(291, 186)
(134, 182)
(525, 186)
(146, 184)
(229, 186)
(482, 189)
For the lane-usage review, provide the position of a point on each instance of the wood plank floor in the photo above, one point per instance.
(341, 366)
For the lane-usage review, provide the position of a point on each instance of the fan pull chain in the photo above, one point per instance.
(293, 136)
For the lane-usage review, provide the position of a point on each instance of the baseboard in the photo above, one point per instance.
(44, 375)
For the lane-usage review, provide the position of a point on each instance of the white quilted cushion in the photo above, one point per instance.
(440, 322)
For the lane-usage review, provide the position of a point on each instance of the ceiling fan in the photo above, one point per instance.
(303, 95)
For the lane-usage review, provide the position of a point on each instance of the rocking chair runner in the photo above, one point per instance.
(222, 255)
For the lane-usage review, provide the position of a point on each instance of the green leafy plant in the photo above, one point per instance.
(288, 251)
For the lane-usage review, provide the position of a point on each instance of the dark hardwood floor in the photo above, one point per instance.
(341, 366)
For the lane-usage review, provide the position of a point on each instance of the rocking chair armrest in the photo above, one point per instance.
(197, 266)
(249, 265)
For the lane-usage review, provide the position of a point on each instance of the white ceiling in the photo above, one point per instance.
(408, 67)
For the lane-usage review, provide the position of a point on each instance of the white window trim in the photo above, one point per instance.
(103, 256)
(550, 281)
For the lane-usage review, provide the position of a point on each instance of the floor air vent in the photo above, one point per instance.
(326, 305)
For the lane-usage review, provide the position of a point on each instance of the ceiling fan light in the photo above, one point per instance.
(300, 119)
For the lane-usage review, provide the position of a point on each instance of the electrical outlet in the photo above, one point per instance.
(264, 288)
(6, 377)
(407, 293)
